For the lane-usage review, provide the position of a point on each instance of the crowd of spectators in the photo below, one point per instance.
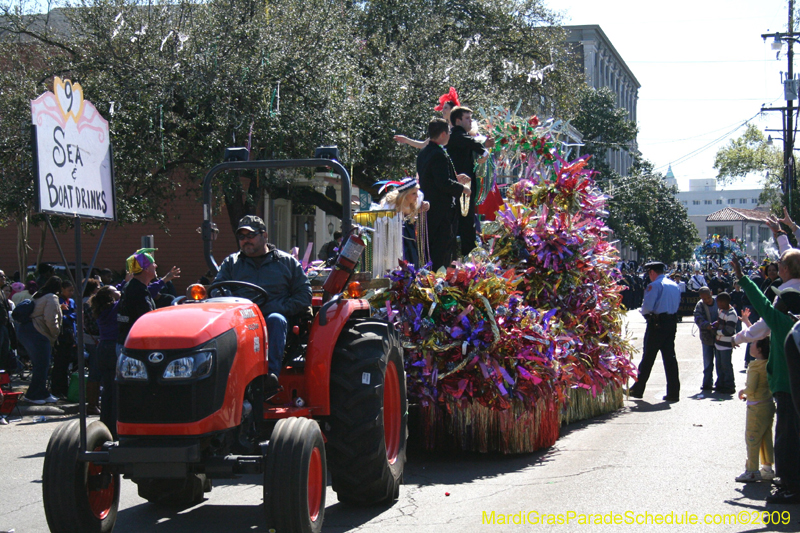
(39, 342)
(758, 309)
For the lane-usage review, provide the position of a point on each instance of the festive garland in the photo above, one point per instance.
(520, 141)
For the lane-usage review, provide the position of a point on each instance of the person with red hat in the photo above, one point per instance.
(447, 102)
(465, 150)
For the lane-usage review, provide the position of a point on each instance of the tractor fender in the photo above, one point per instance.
(322, 340)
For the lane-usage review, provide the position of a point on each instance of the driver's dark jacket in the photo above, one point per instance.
(281, 275)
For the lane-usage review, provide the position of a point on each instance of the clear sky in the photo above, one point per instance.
(704, 71)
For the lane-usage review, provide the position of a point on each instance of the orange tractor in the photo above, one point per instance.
(192, 406)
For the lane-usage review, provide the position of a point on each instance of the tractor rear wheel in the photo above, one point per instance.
(78, 496)
(295, 477)
(367, 428)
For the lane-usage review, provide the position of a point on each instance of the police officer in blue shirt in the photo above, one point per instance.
(660, 309)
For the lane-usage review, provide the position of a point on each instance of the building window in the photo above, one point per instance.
(751, 233)
(731, 201)
(707, 202)
(695, 202)
(719, 200)
(753, 200)
(764, 234)
(742, 200)
(722, 231)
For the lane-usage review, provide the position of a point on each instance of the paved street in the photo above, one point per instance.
(651, 457)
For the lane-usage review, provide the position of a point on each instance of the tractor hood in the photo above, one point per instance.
(185, 326)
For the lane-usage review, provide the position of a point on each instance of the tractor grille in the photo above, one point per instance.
(162, 402)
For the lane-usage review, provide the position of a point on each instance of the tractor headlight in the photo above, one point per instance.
(197, 365)
(130, 369)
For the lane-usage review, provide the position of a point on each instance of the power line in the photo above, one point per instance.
(706, 146)
(737, 123)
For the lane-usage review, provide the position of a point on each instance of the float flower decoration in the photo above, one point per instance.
(460, 327)
(558, 244)
(540, 312)
(527, 320)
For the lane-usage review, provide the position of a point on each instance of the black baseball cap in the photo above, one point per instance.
(252, 223)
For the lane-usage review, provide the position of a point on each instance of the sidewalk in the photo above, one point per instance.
(61, 408)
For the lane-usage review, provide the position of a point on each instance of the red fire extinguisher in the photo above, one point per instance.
(345, 265)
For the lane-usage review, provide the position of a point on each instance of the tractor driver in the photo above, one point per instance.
(280, 274)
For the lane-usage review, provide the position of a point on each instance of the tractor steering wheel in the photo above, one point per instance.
(261, 298)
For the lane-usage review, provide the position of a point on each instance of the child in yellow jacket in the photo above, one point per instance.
(760, 413)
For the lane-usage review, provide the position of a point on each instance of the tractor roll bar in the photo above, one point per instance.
(208, 225)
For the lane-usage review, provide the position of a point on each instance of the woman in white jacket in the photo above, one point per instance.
(38, 336)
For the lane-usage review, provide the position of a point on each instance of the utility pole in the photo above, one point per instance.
(788, 145)
(790, 92)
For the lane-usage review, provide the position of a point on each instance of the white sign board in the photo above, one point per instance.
(73, 155)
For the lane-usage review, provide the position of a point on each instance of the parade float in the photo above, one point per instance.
(526, 333)
(717, 251)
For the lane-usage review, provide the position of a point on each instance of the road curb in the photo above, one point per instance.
(59, 409)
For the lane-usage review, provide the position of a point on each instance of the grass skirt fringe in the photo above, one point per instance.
(523, 428)
(580, 405)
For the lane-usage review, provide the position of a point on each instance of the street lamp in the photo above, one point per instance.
(770, 142)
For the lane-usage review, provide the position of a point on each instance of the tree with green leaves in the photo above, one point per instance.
(22, 77)
(604, 127)
(752, 154)
(645, 214)
(181, 81)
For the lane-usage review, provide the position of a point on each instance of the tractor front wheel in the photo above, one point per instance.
(295, 477)
(367, 428)
(78, 496)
